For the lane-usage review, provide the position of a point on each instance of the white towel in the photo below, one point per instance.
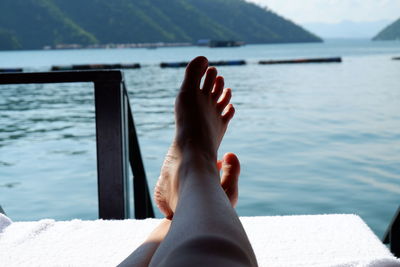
(372, 263)
(317, 240)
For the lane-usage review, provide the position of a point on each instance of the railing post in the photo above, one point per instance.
(117, 143)
(142, 200)
(112, 154)
(2, 211)
(392, 235)
(395, 240)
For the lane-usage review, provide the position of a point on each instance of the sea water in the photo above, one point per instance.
(311, 138)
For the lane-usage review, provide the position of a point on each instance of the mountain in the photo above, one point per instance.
(35, 23)
(347, 29)
(391, 32)
(8, 40)
(32, 24)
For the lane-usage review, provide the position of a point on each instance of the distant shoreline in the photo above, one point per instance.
(188, 45)
(118, 46)
(144, 45)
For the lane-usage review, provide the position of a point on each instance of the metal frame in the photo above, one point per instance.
(117, 143)
(392, 235)
(2, 211)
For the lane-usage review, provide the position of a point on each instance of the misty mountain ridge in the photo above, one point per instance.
(347, 29)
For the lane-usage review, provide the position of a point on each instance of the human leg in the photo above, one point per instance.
(205, 228)
(230, 167)
(143, 254)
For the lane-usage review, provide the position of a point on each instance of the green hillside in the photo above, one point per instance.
(8, 41)
(256, 24)
(32, 24)
(391, 32)
(36, 23)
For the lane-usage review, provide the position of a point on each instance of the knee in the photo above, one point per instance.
(212, 250)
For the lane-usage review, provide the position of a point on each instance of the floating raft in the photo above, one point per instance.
(396, 58)
(227, 63)
(210, 63)
(8, 70)
(304, 60)
(217, 43)
(173, 64)
(97, 67)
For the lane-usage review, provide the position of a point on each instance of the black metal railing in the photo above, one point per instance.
(116, 139)
(392, 235)
(2, 211)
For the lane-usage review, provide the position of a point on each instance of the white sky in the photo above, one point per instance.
(331, 11)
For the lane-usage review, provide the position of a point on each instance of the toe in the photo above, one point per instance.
(224, 101)
(231, 165)
(218, 88)
(209, 80)
(228, 113)
(194, 72)
(230, 177)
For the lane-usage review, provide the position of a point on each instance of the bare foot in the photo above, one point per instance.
(202, 116)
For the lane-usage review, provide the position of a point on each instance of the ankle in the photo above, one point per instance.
(197, 162)
(193, 154)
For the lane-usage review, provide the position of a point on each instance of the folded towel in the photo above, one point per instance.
(373, 263)
(317, 240)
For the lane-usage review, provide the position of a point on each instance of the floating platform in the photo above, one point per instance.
(304, 60)
(210, 63)
(173, 64)
(10, 70)
(227, 63)
(97, 67)
(396, 58)
(221, 43)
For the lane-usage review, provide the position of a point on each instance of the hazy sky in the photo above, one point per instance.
(302, 11)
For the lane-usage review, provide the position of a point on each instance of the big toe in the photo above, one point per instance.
(195, 70)
(230, 177)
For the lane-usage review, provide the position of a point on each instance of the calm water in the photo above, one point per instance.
(312, 139)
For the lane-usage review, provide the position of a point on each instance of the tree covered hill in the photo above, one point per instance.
(391, 32)
(32, 24)
(35, 23)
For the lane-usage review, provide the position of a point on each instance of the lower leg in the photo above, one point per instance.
(205, 228)
(230, 167)
(143, 254)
